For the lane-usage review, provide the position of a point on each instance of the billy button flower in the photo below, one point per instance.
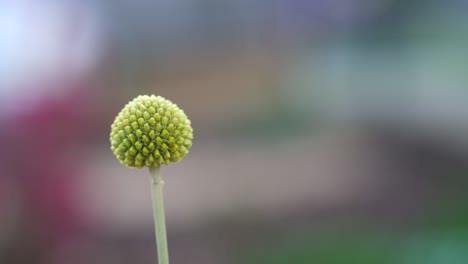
(151, 131)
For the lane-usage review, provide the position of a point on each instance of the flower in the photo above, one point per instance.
(150, 131)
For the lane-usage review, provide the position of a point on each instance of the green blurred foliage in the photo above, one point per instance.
(426, 248)
(442, 238)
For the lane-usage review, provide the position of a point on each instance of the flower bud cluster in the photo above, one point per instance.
(150, 131)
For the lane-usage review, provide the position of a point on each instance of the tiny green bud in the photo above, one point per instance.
(144, 128)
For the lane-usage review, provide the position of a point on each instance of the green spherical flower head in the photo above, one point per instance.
(150, 131)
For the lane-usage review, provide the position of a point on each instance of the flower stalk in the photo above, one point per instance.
(157, 184)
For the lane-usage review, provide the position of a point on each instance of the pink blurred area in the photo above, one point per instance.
(40, 158)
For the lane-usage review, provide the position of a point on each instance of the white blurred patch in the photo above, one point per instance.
(44, 42)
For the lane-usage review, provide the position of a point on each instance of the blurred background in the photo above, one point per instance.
(326, 131)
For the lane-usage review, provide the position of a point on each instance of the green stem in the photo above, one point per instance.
(158, 213)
